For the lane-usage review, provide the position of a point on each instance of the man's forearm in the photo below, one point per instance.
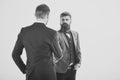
(17, 59)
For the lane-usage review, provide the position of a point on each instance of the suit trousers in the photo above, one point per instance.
(69, 75)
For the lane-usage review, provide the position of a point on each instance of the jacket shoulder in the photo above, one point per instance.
(52, 32)
(74, 32)
(26, 29)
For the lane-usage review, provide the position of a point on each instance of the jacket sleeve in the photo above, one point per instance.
(16, 54)
(56, 48)
(78, 52)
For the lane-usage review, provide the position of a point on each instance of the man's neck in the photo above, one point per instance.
(41, 21)
(68, 30)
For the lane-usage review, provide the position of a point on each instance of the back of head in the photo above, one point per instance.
(42, 10)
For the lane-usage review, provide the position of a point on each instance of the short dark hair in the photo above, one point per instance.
(65, 14)
(42, 10)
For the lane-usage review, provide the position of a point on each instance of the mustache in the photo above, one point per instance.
(65, 24)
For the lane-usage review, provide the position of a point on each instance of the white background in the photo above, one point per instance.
(98, 24)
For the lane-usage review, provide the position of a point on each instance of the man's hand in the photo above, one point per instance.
(77, 66)
(55, 61)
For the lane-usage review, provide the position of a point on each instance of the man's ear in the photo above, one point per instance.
(35, 15)
(70, 21)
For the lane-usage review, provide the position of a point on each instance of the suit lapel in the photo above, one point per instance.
(65, 39)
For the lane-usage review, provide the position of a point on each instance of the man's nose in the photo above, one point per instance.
(64, 21)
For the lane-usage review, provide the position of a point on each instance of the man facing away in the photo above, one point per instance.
(69, 42)
(39, 42)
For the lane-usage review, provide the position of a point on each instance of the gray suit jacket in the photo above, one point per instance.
(62, 65)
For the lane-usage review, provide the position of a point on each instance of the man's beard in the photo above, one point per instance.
(65, 27)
